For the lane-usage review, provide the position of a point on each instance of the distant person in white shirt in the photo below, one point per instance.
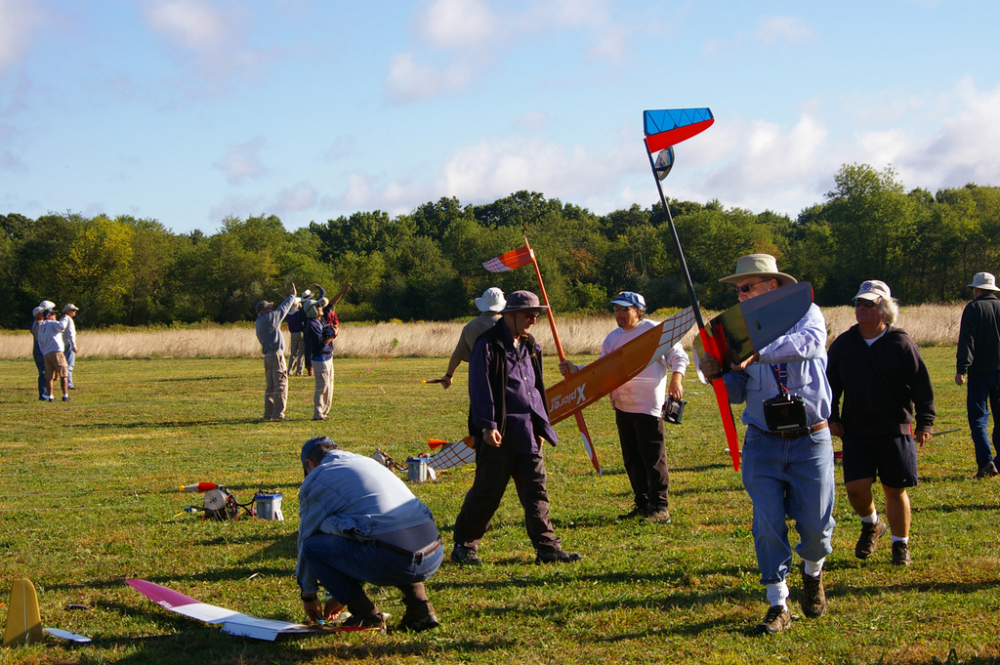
(69, 340)
(50, 343)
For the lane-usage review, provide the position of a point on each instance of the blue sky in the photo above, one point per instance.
(188, 111)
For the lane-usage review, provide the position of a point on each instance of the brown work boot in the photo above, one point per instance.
(309, 371)
(901, 554)
(813, 596)
(868, 540)
(776, 620)
(419, 619)
(657, 514)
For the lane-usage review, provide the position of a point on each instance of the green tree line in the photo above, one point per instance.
(427, 265)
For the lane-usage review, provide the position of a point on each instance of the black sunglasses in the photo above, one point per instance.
(746, 287)
(867, 304)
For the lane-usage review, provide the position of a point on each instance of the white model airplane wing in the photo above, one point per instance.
(233, 623)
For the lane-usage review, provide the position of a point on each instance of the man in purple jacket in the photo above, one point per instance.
(509, 420)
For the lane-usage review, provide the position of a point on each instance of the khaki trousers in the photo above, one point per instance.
(276, 392)
(296, 354)
(324, 388)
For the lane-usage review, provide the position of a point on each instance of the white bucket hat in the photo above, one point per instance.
(985, 281)
(758, 265)
(492, 300)
(873, 289)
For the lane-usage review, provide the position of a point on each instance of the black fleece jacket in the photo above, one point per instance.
(979, 337)
(884, 385)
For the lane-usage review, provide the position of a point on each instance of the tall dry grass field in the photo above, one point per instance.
(929, 325)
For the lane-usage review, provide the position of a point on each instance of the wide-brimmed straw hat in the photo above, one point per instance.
(520, 301)
(758, 265)
(985, 281)
(492, 300)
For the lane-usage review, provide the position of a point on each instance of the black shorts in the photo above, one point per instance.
(890, 457)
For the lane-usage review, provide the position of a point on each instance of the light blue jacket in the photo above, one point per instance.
(355, 497)
(803, 348)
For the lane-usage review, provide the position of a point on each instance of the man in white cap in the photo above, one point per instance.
(69, 340)
(887, 392)
(979, 357)
(638, 407)
(490, 304)
(272, 346)
(787, 453)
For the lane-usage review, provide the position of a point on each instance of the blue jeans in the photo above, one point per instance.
(342, 565)
(795, 478)
(983, 397)
(70, 360)
(43, 386)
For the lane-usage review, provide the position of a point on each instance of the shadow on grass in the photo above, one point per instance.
(160, 424)
(701, 467)
(182, 379)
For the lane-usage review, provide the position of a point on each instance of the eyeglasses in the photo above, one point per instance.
(745, 288)
(867, 304)
(621, 308)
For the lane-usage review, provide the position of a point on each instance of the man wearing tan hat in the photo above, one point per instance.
(490, 304)
(979, 357)
(69, 340)
(508, 416)
(787, 453)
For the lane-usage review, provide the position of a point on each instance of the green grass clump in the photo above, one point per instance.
(88, 498)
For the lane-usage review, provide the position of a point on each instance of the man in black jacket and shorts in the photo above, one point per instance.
(887, 394)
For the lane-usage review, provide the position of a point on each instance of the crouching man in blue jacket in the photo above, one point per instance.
(358, 523)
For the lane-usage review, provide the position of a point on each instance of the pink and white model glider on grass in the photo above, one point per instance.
(233, 623)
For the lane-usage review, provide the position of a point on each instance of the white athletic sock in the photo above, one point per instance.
(898, 539)
(813, 568)
(871, 519)
(777, 594)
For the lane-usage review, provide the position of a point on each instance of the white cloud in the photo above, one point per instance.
(242, 161)
(467, 37)
(409, 81)
(210, 39)
(784, 30)
(236, 206)
(293, 199)
(463, 24)
(533, 120)
(18, 19)
(961, 149)
(341, 147)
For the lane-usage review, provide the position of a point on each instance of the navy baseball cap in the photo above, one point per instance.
(312, 443)
(629, 299)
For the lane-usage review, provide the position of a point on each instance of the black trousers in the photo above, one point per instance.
(494, 469)
(645, 456)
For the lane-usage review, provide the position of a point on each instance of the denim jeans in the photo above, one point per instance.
(342, 565)
(43, 386)
(983, 397)
(792, 477)
(70, 361)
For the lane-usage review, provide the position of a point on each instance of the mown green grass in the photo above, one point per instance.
(88, 491)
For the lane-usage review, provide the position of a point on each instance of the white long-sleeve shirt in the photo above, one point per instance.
(68, 335)
(646, 392)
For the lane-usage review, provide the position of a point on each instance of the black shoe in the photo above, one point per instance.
(657, 514)
(901, 554)
(987, 470)
(868, 540)
(813, 596)
(559, 556)
(65, 398)
(374, 621)
(632, 514)
(51, 399)
(776, 620)
(417, 621)
(465, 556)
